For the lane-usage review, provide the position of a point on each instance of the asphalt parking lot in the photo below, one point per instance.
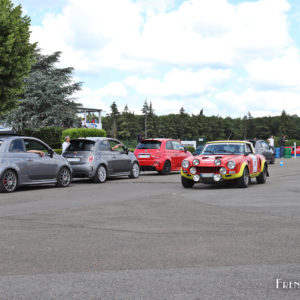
(148, 238)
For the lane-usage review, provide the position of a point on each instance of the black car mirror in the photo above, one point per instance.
(126, 150)
(50, 152)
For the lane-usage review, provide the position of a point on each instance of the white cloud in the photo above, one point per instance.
(179, 82)
(279, 72)
(94, 34)
(259, 103)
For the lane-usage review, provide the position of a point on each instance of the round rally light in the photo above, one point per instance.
(185, 164)
(223, 171)
(193, 170)
(196, 162)
(217, 177)
(196, 177)
(231, 164)
(217, 162)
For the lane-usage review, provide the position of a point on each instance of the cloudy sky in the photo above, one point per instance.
(225, 56)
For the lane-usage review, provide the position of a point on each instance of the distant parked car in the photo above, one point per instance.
(30, 161)
(263, 148)
(99, 158)
(198, 150)
(162, 155)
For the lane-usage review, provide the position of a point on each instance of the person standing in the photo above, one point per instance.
(140, 137)
(271, 142)
(282, 141)
(65, 144)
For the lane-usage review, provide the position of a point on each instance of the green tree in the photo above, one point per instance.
(48, 99)
(16, 53)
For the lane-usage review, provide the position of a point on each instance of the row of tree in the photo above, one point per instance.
(126, 125)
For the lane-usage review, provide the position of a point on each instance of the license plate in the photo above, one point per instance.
(144, 155)
(73, 159)
(207, 175)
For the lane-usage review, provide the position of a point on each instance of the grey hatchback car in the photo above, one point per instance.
(29, 161)
(100, 158)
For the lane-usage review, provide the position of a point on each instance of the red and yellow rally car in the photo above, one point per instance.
(225, 161)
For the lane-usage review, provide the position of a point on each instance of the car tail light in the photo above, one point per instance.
(91, 158)
(157, 155)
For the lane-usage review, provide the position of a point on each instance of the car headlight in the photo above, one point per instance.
(231, 164)
(193, 170)
(223, 171)
(196, 162)
(217, 162)
(185, 164)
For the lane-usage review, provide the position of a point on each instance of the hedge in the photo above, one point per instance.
(50, 135)
(75, 133)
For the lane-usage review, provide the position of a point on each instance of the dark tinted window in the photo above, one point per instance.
(149, 145)
(34, 145)
(81, 145)
(16, 146)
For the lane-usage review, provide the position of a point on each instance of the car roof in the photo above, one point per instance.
(93, 138)
(229, 141)
(159, 139)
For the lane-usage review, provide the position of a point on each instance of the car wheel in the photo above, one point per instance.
(167, 168)
(187, 183)
(243, 181)
(262, 178)
(9, 181)
(135, 171)
(63, 177)
(101, 174)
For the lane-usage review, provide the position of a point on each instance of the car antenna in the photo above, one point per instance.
(229, 136)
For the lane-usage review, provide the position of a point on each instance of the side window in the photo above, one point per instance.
(265, 146)
(104, 146)
(177, 146)
(16, 146)
(35, 145)
(113, 144)
(248, 149)
(169, 146)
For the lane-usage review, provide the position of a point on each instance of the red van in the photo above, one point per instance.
(162, 155)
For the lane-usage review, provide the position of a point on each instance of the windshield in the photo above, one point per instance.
(81, 145)
(149, 145)
(224, 148)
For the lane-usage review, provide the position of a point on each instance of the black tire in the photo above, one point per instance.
(166, 169)
(101, 174)
(186, 183)
(135, 170)
(64, 177)
(262, 178)
(9, 181)
(244, 181)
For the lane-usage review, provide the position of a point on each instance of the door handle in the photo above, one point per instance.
(29, 159)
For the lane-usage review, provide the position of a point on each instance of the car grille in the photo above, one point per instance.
(208, 169)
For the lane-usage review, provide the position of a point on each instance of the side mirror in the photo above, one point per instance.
(126, 150)
(50, 152)
(185, 149)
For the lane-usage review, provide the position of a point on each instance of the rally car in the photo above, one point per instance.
(225, 161)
